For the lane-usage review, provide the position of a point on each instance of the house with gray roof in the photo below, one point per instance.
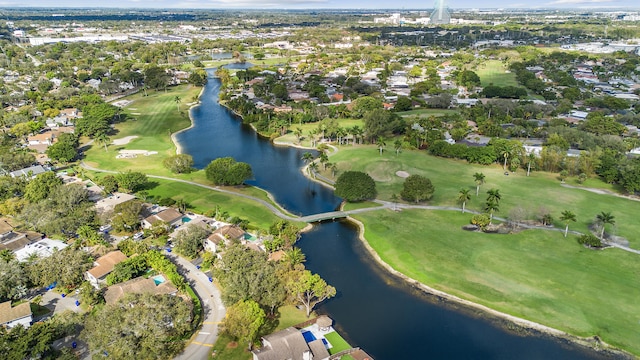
(289, 344)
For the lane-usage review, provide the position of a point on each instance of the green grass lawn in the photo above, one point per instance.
(290, 138)
(540, 191)
(536, 275)
(427, 112)
(493, 72)
(337, 342)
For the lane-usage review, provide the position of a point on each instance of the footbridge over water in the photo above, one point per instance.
(333, 215)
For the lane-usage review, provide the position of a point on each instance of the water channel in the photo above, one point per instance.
(373, 310)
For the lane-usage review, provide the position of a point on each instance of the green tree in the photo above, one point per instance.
(603, 219)
(127, 216)
(464, 195)
(177, 100)
(567, 217)
(189, 242)
(294, 256)
(354, 186)
(493, 195)
(417, 188)
(109, 184)
(226, 171)
(479, 180)
(104, 139)
(131, 181)
(381, 143)
(67, 267)
(243, 321)
(397, 145)
(13, 282)
(179, 164)
(310, 289)
(491, 207)
(139, 327)
(41, 186)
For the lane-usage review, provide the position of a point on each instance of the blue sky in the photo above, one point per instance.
(325, 4)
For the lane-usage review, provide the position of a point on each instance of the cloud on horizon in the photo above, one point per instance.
(575, 2)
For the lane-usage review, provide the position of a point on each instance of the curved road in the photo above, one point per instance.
(201, 343)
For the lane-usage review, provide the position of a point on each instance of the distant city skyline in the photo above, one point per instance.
(326, 4)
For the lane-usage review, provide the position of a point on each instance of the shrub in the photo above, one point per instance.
(590, 240)
(481, 220)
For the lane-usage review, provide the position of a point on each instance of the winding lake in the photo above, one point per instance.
(373, 309)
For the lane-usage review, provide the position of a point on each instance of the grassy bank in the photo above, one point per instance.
(536, 275)
(533, 194)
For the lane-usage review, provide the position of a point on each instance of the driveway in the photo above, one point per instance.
(57, 304)
(202, 342)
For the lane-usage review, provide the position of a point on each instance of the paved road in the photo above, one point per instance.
(202, 342)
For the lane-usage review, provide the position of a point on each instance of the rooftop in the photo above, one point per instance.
(9, 313)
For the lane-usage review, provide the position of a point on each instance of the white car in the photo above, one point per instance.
(138, 235)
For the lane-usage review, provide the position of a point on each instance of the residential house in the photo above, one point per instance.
(171, 216)
(16, 315)
(110, 202)
(103, 266)
(224, 234)
(30, 172)
(14, 240)
(45, 138)
(156, 285)
(41, 248)
(290, 344)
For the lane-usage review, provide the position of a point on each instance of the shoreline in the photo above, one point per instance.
(592, 343)
(175, 141)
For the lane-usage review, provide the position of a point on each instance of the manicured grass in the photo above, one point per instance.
(493, 72)
(201, 200)
(152, 118)
(38, 310)
(289, 316)
(540, 191)
(227, 349)
(427, 112)
(337, 342)
(535, 274)
(290, 138)
(360, 205)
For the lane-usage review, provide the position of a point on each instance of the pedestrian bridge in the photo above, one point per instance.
(333, 215)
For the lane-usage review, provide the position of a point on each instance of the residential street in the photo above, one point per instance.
(214, 311)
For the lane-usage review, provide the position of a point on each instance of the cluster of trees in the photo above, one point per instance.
(253, 287)
(129, 182)
(179, 164)
(227, 171)
(355, 186)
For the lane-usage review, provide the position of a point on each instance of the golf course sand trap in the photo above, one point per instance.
(402, 174)
(129, 154)
(124, 140)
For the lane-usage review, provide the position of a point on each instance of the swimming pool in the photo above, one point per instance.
(159, 279)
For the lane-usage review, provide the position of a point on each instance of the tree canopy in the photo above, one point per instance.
(355, 186)
(417, 188)
(226, 171)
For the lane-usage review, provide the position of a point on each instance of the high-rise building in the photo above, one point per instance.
(440, 14)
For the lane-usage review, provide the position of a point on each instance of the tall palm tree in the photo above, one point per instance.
(493, 195)
(398, 146)
(567, 217)
(177, 99)
(307, 157)
(313, 168)
(463, 196)
(479, 179)
(491, 207)
(104, 139)
(333, 167)
(298, 133)
(605, 218)
(381, 144)
(531, 158)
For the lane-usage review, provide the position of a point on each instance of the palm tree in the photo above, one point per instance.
(7, 255)
(531, 158)
(567, 217)
(333, 168)
(298, 133)
(104, 139)
(294, 256)
(381, 144)
(307, 157)
(491, 207)
(505, 155)
(494, 196)
(479, 179)
(605, 218)
(313, 168)
(177, 99)
(394, 199)
(463, 196)
(398, 146)
(324, 158)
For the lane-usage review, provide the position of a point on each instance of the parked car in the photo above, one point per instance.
(138, 235)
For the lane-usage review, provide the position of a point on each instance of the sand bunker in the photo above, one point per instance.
(402, 174)
(124, 140)
(129, 154)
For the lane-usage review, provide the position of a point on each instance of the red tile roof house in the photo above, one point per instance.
(103, 266)
(18, 315)
(171, 216)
